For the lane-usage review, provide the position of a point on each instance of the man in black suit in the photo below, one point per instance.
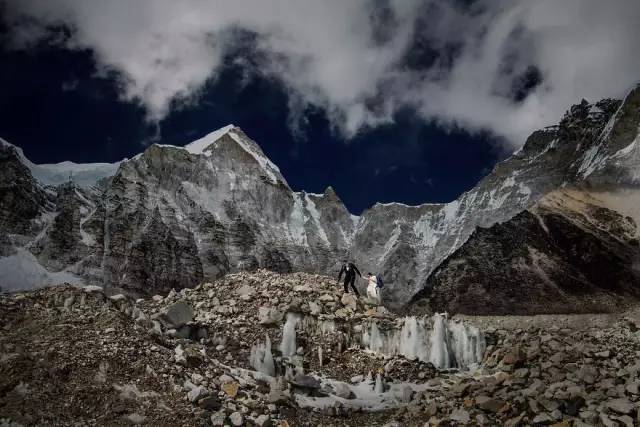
(349, 269)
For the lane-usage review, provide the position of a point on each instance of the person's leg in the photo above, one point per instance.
(353, 285)
(346, 285)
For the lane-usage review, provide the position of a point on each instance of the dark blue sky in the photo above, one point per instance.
(56, 108)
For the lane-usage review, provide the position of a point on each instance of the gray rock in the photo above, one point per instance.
(305, 381)
(218, 418)
(277, 397)
(196, 393)
(489, 404)
(315, 308)
(269, 316)
(263, 421)
(177, 314)
(621, 406)
(633, 387)
(350, 301)
(588, 374)
(543, 419)
(237, 419)
(606, 421)
(460, 415)
(626, 420)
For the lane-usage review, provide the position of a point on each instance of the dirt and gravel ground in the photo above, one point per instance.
(74, 356)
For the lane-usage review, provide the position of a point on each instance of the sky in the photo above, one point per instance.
(385, 100)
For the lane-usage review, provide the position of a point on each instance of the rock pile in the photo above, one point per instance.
(75, 355)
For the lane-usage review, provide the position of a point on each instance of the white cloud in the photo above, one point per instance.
(333, 55)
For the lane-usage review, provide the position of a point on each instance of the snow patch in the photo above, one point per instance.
(200, 146)
(311, 208)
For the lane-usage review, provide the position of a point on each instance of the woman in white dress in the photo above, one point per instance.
(372, 288)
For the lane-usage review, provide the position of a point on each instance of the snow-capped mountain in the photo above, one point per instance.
(172, 217)
(169, 218)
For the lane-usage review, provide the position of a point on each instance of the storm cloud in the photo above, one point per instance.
(508, 67)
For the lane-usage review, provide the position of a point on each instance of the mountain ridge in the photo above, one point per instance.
(225, 207)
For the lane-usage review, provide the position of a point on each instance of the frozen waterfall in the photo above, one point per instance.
(444, 343)
(261, 358)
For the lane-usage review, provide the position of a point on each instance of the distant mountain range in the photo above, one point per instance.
(551, 229)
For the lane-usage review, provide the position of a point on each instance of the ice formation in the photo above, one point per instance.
(379, 386)
(262, 359)
(288, 344)
(439, 354)
(444, 343)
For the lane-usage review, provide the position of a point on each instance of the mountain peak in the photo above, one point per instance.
(200, 145)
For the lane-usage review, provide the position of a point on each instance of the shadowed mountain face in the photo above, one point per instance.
(173, 217)
(568, 253)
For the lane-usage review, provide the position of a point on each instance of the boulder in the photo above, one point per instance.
(487, 403)
(587, 374)
(315, 308)
(195, 393)
(263, 421)
(542, 418)
(237, 419)
(327, 298)
(245, 290)
(621, 406)
(633, 387)
(303, 288)
(460, 415)
(349, 301)
(218, 419)
(210, 403)
(514, 356)
(305, 381)
(177, 314)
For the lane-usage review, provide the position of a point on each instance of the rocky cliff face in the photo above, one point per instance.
(174, 216)
(567, 253)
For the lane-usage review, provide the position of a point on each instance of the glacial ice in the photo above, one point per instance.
(288, 345)
(439, 354)
(379, 386)
(444, 343)
(262, 359)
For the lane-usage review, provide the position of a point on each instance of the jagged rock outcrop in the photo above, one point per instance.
(22, 200)
(175, 216)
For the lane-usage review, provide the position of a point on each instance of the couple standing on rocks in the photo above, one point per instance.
(350, 270)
